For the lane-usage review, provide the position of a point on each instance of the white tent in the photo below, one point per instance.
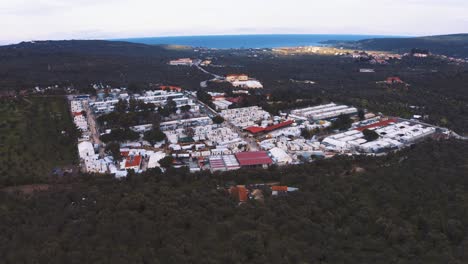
(280, 156)
(85, 149)
(155, 158)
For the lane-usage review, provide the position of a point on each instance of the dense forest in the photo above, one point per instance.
(408, 207)
(37, 135)
(79, 63)
(455, 45)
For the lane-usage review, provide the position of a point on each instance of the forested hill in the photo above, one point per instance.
(451, 45)
(88, 47)
(81, 62)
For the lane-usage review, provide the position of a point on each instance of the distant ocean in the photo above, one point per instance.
(248, 41)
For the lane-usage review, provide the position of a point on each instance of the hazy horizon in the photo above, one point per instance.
(26, 20)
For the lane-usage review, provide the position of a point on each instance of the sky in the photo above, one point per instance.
(24, 20)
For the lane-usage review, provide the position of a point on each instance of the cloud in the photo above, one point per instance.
(60, 19)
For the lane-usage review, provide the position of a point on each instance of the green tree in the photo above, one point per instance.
(121, 106)
(361, 114)
(342, 122)
(166, 162)
(154, 135)
(113, 148)
(370, 135)
(171, 106)
(218, 119)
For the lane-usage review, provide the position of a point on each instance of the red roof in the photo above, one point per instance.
(124, 153)
(234, 99)
(279, 188)
(378, 124)
(77, 113)
(394, 80)
(253, 158)
(254, 129)
(280, 125)
(239, 192)
(257, 129)
(242, 193)
(133, 161)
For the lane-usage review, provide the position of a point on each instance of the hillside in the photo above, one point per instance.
(450, 45)
(81, 62)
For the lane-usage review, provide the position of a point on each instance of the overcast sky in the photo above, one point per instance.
(22, 20)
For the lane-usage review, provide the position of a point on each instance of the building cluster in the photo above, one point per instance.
(286, 150)
(243, 81)
(249, 137)
(326, 111)
(257, 192)
(181, 62)
(393, 134)
(80, 116)
(203, 141)
(246, 117)
(137, 159)
(106, 103)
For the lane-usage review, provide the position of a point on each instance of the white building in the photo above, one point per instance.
(250, 84)
(245, 117)
(324, 111)
(237, 77)
(221, 104)
(184, 123)
(181, 62)
(85, 149)
(155, 158)
(280, 156)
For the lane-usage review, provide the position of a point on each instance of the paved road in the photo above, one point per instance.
(204, 84)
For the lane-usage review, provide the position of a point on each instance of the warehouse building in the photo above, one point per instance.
(254, 159)
(324, 111)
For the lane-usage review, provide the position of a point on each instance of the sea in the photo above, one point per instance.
(249, 41)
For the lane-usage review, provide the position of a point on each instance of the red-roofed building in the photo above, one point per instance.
(133, 163)
(393, 80)
(254, 129)
(278, 126)
(235, 100)
(378, 124)
(257, 129)
(237, 77)
(253, 159)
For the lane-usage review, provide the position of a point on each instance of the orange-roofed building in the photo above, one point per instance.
(133, 163)
(240, 193)
(170, 88)
(279, 188)
(237, 77)
(393, 80)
